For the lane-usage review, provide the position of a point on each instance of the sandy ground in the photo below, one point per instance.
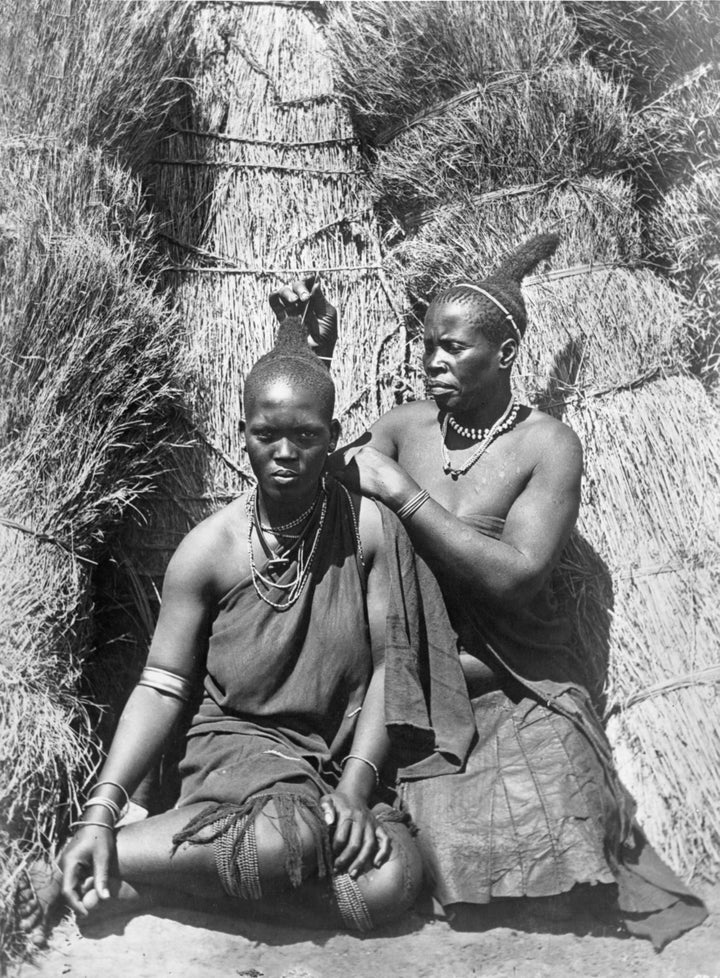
(184, 944)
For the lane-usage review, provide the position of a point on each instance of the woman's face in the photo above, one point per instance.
(288, 438)
(463, 368)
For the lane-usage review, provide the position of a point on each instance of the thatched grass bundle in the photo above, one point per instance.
(595, 216)
(90, 71)
(680, 130)
(90, 375)
(398, 60)
(645, 44)
(262, 181)
(463, 176)
(685, 233)
(565, 122)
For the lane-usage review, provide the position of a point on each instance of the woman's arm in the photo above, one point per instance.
(146, 721)
(506, 572)
(357, 837)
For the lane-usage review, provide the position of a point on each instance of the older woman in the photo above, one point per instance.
(522, 799)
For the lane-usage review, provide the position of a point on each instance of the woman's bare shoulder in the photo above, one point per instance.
(204, 550)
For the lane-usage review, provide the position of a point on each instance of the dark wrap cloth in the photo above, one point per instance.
(433, 725)
(282, 692)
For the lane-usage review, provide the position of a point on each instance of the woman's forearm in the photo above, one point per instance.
(143, 729)
(370, 744)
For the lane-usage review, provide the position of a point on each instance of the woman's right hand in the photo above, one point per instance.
(90, 853)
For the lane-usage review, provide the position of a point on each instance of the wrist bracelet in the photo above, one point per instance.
(413, 504)
(115, 784)
(359, 757)
(105, 803)
(102, 825)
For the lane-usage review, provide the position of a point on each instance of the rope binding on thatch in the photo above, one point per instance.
(237, 165)
(279, 143)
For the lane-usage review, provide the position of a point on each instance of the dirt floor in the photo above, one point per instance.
(185, 944)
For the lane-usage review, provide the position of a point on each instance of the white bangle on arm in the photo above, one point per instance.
(359, 757)
(413, 504)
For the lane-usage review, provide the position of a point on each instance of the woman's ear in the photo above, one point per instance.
(508, 353)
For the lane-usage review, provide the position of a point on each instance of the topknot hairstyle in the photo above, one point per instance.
(496, 302)
(292, 361)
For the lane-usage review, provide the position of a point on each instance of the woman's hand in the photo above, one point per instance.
(364, 469)
(90, 853)
(305, 297)
(359, 841)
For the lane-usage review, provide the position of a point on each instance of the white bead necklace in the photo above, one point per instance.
(485, 436)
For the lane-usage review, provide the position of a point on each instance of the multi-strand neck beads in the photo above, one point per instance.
(484, 436)
(279, 559)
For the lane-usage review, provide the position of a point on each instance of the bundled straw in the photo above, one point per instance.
(685, 234)
(462, 176)
(646, 44)
(89, 375)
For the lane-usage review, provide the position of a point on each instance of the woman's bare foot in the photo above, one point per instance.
(36, 899)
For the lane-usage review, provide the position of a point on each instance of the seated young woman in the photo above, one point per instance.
(274, 610)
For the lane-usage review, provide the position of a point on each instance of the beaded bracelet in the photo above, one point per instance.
(413, 504)
(359, 757)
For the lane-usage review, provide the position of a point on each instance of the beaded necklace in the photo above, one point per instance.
(485, 436)
(293, 523)
(295, 587)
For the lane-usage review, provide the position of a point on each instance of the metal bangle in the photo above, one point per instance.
(115, 784)
(359, 757)
(165, 681)
(105, 803)
(102, 825)
(413, 504)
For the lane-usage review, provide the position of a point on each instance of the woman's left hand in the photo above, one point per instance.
(359, 841)
(364, 469)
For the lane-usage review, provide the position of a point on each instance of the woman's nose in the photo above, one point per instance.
(433, 361)
(285, 448)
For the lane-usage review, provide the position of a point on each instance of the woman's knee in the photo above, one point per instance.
(388, 892)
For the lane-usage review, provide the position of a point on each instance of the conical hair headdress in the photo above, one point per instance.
(499, 297)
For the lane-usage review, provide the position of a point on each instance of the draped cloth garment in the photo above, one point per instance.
(514, 791)
(283, 689)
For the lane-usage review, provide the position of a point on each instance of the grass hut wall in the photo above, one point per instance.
(473, 152)
(89, 372)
